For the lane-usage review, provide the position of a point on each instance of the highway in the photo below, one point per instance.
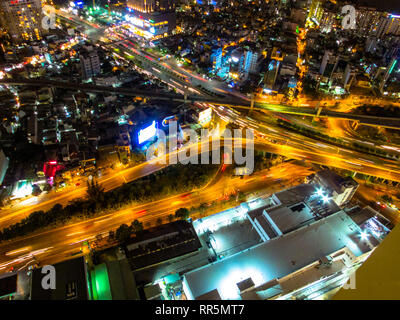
(270, 140)
(46, 201)
(384, 122)
(57, 244)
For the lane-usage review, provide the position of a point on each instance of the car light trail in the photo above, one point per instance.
(11, 253)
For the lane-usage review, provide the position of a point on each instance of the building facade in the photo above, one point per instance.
(148, 6)
(22, 19)
(249, 62)
(90, 64)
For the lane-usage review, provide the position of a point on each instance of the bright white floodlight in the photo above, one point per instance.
(320, 192)
(364, 235)
(325, 198)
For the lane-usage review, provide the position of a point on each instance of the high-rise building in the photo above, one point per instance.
(148, 6)
(249, 62)
(216, 58)
(151, 18)
(388, 24)
(3, 165)
(328, 59)
(348, 77)
(22, 19)
(90, 64)
(394, 26)
(341, 189)
(367, 19)
(315, 13)
(389, 71)
(271, 74)
(341, 74)
(371, 44)
(327, 21)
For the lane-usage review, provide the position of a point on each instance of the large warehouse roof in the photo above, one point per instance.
(278, 257)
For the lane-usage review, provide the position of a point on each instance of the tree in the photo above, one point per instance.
(123, 233)
(159, 221)
(3, 196)
(136, 226)
(170, 218)
(125, 161)
(95, 191)
(56, 208)
(137, 157)
(203, 207)
(387, 198)
(182, 213)
(241, 196)
(111, 235)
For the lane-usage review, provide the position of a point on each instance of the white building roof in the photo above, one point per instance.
(278, 257)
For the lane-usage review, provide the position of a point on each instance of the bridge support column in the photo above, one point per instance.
(355, 125)
(318, 113)
(251, 104)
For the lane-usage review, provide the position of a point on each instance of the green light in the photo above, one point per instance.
(391, 69)
(102, 284)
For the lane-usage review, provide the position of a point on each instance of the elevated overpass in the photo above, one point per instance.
(384, 122)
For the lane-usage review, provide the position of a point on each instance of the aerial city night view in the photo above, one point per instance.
(199, 150)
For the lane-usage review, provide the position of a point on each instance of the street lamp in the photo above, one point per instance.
(364, 235)
(320, 192)
(325, 198)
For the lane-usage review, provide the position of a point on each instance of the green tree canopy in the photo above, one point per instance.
(123, 233)
(136, 226)
(95, 191)
(182, 213)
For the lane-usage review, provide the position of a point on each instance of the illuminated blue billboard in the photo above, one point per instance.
(78, 4)
(147, 133)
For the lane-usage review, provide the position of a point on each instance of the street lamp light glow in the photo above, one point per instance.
(363, 235)
(325, 198)
(320, 192)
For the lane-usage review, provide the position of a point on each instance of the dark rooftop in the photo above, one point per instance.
(70, 282)
(8, 285)
(162, 243)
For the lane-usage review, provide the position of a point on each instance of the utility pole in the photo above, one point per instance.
(185, 88)
(251, 103)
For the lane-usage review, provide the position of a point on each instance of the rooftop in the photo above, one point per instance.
(163, 243)
(278, 257)
(288, 218)
(336, 181)
(70, 282)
